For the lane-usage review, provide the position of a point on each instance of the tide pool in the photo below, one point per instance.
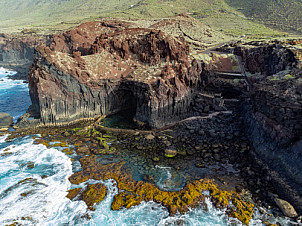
(34, 184)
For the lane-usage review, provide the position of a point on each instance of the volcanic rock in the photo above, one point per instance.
(17, 52)
(170, 153)
(286, 208)
(5, 121)
(106, 67)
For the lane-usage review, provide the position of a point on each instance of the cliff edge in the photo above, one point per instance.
(105, 67)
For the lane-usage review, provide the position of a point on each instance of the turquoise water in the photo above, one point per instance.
(34, 184)
(41, 198)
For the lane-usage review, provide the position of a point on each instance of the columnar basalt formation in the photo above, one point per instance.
(273, 112)
(103, 68)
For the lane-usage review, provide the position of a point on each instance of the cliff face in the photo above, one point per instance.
(102, 68)
(267, 58)
(273, 122)
(17, 52)
(273, 112)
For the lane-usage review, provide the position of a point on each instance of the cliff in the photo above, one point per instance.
(273, 123)
(17, 52)
(148, 70)
(105, 67)
(273, 112)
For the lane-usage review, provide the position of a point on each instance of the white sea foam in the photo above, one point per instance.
(199, 216)
(151, 213)
(38, 201)
(147, 213)
(6, 71)
(35, 200)
(2, 139)
(6, 83)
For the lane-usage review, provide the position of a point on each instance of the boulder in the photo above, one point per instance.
(5, 121)
(286, 208)
(149, 137)
(170, 152)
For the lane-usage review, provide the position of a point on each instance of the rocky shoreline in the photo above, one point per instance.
(234, 117)
(222, 157)
(5, 121)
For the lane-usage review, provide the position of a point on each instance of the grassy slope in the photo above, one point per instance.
(281, 14)
(41, 14)
(216, 13)
(50, 15)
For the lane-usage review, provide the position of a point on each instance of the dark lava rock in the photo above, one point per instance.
(170, 153)
(78, 89)
(200, 165)
(217, 157)
(5, 121)
(191, 152)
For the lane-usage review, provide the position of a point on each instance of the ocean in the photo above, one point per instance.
(34, 184)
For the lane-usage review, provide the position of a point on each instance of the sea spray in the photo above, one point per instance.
(168, 179)
(34, 184)
(14, 95)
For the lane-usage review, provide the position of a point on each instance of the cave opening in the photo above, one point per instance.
(124, 111)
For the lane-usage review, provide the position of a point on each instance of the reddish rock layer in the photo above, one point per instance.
(104, 67)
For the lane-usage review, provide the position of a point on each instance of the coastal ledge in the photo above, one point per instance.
(132, 193)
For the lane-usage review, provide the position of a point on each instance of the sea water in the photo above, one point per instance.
(14, 96)
(34, 184)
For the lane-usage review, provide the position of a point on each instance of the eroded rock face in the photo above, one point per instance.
(105, 67)
(273, 112)
(273, 122)
(16, 52)
(266, 58)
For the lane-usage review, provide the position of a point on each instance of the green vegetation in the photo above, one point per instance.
(280, 14)
(37, 15)
(232, 17)
(216, 13)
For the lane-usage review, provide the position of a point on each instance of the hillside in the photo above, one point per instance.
(231, 17)
(55, 14)
(280, 14)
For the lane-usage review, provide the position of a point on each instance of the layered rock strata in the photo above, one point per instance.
(273, 112)
(105, 67)
(269, 58)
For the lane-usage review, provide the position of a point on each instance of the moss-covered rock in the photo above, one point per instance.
(134, 192)
(94, 193)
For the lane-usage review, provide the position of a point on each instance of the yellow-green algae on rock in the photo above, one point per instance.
(134, 192)
(94, 193)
